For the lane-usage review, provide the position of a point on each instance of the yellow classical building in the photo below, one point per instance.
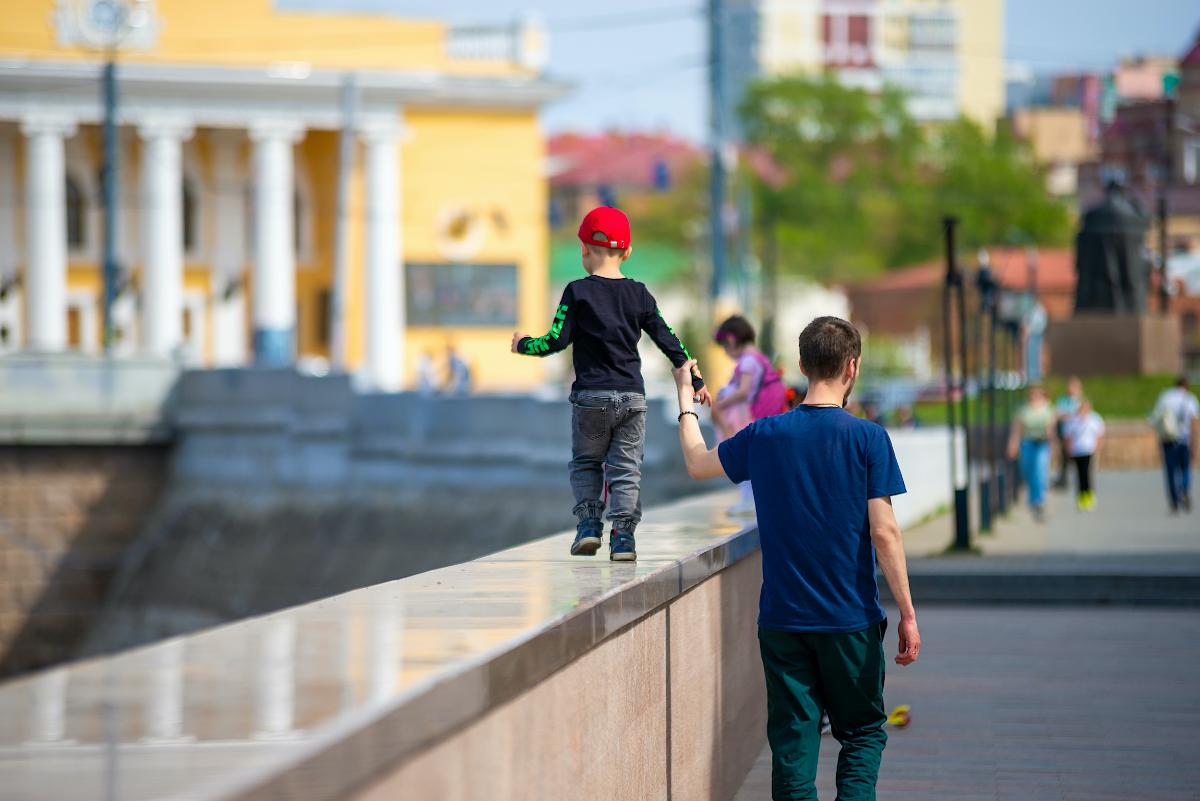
(229, 225)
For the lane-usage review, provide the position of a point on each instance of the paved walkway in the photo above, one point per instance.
(1039, 704)
(1130, 518)
(1048, 703)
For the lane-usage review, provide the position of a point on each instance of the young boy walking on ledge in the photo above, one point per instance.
(604, 315)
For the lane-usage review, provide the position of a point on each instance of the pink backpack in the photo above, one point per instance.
(771, 397)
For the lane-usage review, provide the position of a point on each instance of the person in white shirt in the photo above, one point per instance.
(1083, 432)
(1176, 419)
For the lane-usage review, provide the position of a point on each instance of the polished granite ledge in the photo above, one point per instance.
(312, 702)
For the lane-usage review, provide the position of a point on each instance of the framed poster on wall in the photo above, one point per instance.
(461, 295)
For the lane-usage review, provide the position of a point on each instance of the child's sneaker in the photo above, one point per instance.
(587, 537)
(621, 546)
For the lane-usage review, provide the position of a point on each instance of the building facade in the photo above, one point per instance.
(1154, 144)
(948, 54)
(228, 227)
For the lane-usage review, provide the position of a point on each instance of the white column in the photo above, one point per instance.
(274, 299)
(229, 254)
(9, 256)
(162, 236)
(46, 232)
(8, 206)
(384, 286)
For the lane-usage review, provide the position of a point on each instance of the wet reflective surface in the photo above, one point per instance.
(218, 712)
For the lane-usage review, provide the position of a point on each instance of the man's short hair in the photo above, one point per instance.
(1182, 380)
(827, 345)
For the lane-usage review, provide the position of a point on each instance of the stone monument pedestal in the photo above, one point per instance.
(1115, 343)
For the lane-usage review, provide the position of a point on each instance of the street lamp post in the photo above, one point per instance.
(105, 24)
(960, 489)
(108, 177)
(987, 323)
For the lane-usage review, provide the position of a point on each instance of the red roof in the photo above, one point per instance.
(1055, 271)
(1193, 55)
(1055, 268)
(618, 159)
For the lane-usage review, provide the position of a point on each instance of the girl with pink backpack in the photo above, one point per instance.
(756, 390)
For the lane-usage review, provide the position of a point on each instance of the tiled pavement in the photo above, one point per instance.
(1039, 704)
(1130, 518)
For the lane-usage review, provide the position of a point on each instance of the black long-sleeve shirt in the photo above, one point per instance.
(604, 318)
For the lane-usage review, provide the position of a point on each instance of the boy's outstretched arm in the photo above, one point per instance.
(672, 346)
(556, 339)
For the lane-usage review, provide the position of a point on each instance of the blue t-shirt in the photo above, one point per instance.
(813, 470)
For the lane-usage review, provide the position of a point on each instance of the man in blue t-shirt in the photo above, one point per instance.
(823, 481)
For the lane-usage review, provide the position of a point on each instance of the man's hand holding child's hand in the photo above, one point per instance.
(683, 382)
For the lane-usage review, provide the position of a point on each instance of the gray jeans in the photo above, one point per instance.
(608, 439)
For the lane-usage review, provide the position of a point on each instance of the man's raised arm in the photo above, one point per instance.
(701, 462)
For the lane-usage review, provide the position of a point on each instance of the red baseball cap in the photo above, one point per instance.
(606, 227)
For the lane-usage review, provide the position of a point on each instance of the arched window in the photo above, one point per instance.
(188, 205)
(76, 215)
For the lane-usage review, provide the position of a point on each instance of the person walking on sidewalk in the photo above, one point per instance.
(1083, 432)
(1065, 407)
(1029, 440)
(1176, 419)
(823, 484)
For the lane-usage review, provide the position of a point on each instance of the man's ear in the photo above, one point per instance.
(852, 369)
(625, 254)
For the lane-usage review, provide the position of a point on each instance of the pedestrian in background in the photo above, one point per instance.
(458, 372)
(905, 417)
(755, 391)
(1029, 440)
(1064, 408)
(1175, 419)
(427, 382)
(873, 412)
(1083, 432)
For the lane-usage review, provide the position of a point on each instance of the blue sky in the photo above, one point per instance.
(645, 71)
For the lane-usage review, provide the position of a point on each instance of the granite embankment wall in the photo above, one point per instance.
(258, 490)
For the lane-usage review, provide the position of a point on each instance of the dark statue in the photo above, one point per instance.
(1111, 271)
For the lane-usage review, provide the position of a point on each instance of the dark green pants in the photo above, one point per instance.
(842, 674)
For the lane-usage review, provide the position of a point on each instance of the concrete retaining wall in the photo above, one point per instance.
(67, 517)
(673, 707)
(924, 457)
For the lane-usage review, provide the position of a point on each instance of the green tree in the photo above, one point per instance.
(995, 188)
(856, 185)
(847, 173)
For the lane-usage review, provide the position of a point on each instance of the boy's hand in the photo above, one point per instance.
(516, 338)
(683, 383)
